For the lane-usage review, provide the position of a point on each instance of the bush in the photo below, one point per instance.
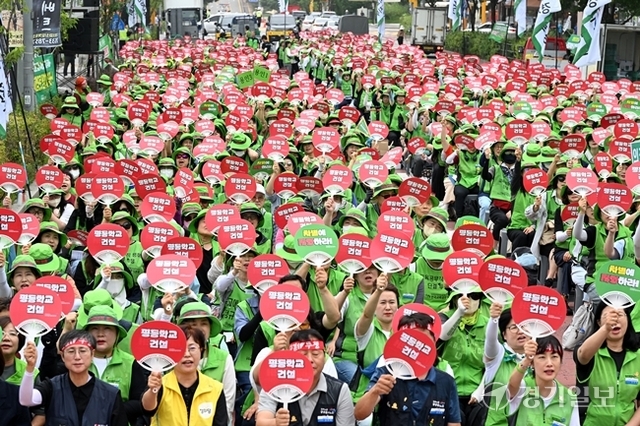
(475, 43)
(396, 12)
(38, 127)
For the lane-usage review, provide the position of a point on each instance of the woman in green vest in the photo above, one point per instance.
(113, 365)
(468, 175)
(608, 367)
(433, 252)
(135, 257)
(501, 356)
(71, 112)
(216, 363)
(119, 283)
(545, 402)
(57, 240)
(12, 343)
(462, 345)
(253, 214)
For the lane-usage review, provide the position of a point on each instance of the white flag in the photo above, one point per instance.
(381, 20)
(455, 14)
(282, 5)
(137, 10)
(567, 24)
(541, 27)
(6, 107)
(520, 9)
(588, 51)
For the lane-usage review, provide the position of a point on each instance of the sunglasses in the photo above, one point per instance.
(182, 156)
(385, 196)
(475, 296)
(125, 225)
(562, 178)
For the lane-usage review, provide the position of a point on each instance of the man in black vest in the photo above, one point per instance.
(75, 398)
(429, 400)
(328, 403)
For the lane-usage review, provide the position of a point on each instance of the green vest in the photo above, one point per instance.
(532, 411)
(366, 96)
(243, 358)
(215, 364)
(73, 119)
(125, 344)
(500, 186)
(597, 255)
(435, 292)
(21, 367)
(347, 88)
(334, 282)
(122, 35)
(552, 206)
(383, 115)
(521, 202)
(347, 345)
(131, 313)
(616, 402)
(267, 228)
(118, 372)
(229, 311)
(375, 347)
(407, 283)
(468, 168)
(398, 111)
(269, 332)
(498, 416)
(464, 352)
(133, 260)
(372, 213)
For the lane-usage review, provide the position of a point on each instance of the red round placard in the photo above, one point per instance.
(300, 219)
(569, 213)
(392, 158)
(78, 238)
(354, 253)
(284, 306)
(237, 237)
(212, 172)
(30, 228)
(460, 271)
(416, 145)
(158, 345)
(34, 311)
(107, 188)
(240, 188)
(158, 207)
(325, 139)
(83, 187)
(501, 279)
(472, 237)
(603, 164)
(108, 243)
(626, 129)
(49, 178)
(171, 273)
(582, 181)
(149, 183)
(538, 311)
(378, 130)
(573, 145)
(373, 173)
(632, 177)
(230, 165)
(10, 228)
(337, 179)
(219, 215)
(128, 170)
(275, 148)
(393, 204)
(286, 185)
(614, 199)
(60, 151)
(518, 131)
(413, 308)
(414, 191)
(61, 287)
(392, 252)
(281, 127)
(286, 375)
(409, 354)
(12, 177)
(396, 221)
(155, 235)
(284, 212)
(620, 150)
(535, 181)
(265, 271)
(184, 247)
(309, 186)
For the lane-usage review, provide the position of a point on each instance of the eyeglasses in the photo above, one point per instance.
(562, 178)
(12, 334)
(182, 156)
(125, 225)
(513, 328)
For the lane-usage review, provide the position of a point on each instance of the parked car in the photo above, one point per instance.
(333, 23)
(319, 24)
(488, 26)
(328, 14)
(308, 22)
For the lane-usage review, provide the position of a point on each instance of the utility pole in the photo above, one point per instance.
(27, 26)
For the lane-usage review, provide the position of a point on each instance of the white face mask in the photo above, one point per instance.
(428, 230)
(166, 173)
(117, 291)
(74, 173)
(473, 306)
(54, 203)
(239, 153)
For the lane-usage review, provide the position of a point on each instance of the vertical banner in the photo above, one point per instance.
(105, 45)
(455, 14)
(588, 51)
(520, 15)
(44, 78)
(46, 23)
(541, 27)
(6, 105)
(137, 11)
(380, 20)
(12, 20)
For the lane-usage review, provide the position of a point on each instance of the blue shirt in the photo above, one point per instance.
(419, 392)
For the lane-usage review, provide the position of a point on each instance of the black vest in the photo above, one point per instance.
(326, 408)
(396, 409)
(62, 409)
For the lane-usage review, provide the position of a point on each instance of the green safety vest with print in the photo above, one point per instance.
(118, 372)
(468, 168)
(532, 410)
(435, 291)
(408, 284)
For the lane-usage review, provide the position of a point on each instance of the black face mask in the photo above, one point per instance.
(509, 158)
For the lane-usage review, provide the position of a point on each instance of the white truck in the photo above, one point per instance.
(185, 17)
(429, 28)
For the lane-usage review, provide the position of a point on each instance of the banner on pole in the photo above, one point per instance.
(46, 23)
(541, 27)
(588, 51)
(44, 78)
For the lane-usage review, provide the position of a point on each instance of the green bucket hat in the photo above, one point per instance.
(105, 80)
(193, 226)
(386, 186)
(37, 202)
(288, 250)
(116, 267)
(532, 154)
(195, 310)
(70, 102)
(248, 208)
(105, 315)
(45, 258)
(97, 297)
(436, 247)
(118, 216)
(509, 146)
(24, 261)
(438, 214)
(239, 142)
(354, 213)
(190, 208)
(52, 227)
